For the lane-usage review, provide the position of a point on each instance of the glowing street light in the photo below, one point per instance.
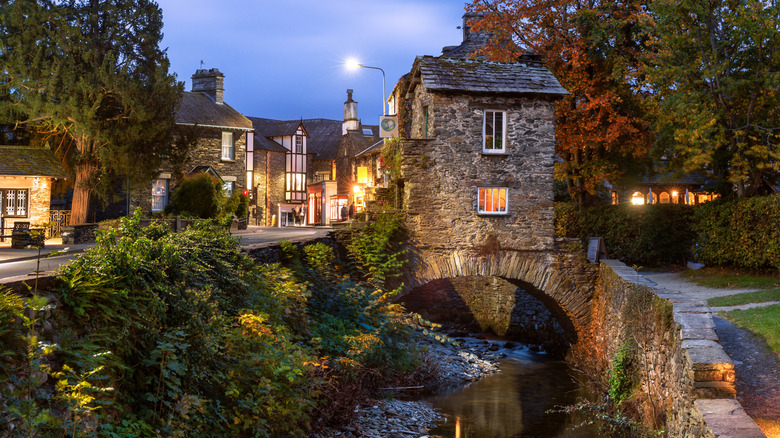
(353, 64)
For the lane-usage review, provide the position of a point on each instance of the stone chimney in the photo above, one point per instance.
(209, 82)
(468, 19)
(351, 122)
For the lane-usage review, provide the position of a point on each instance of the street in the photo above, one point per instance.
(12, 269)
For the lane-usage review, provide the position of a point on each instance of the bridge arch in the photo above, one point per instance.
(562, 279)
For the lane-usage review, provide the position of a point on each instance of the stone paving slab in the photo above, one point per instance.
(699, 334)
(727, 417)
(690, 343)
(694, 320)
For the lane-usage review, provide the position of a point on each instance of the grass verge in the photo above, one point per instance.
(763, 321)
(723, 279)
(761, 296)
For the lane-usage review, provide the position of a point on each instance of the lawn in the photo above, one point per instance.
(724, 278)
(763, 321)
(761, 296)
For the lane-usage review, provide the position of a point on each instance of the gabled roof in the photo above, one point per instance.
(276, 128)
(267, 144)
(324, 137)
(29, 161)
(374, 148)
(473, 76)
(198, 109)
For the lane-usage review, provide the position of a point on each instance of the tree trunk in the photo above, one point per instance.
(82, 189)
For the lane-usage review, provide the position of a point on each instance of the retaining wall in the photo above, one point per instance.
(683, 368)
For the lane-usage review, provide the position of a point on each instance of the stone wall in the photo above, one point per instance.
(269, 183)
(75, 234)
(207, 152)
(686, 379)
(442, 174)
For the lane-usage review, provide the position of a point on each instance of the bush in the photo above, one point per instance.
(197, 195)
(740, 233)
(648, 235)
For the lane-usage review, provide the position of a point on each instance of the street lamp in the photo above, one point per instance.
(353, 64)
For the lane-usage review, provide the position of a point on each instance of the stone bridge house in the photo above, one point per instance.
(478, 176)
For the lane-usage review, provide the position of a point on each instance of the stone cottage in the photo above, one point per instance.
(478, 164)
(26, 177)
(212, 136)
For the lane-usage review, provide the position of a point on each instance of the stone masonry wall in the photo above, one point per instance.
(442, 174)
(269, 182)
(686, 378)
(207, 152)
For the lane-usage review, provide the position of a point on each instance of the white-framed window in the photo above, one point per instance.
(159, 194)
(298, 144)
(492, 200)
(15, 202)
(494, 132)
(228, 149)
(228, 187)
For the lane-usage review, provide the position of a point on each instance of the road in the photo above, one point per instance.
(19, 270)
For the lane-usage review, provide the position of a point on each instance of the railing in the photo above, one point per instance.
(58, 219)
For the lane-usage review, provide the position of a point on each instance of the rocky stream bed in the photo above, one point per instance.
(396, 417)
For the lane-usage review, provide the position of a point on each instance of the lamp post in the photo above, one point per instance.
(353, 64)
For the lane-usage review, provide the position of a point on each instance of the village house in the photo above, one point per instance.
(215, 137)
(26, 177)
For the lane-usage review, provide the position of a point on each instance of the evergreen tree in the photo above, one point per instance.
(90, 74)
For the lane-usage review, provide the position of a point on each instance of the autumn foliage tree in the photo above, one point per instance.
(714, 70)
(90, 75)
(592, 47)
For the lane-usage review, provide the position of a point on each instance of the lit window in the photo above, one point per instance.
(227, 146)
(664, 198)
(638, 198)
(494, 132)
(492, 200)
(159, 194)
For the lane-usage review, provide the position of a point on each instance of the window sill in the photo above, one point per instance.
(495, 154)
(488, 214)
(227, 160)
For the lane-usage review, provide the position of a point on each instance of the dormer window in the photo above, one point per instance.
(494, 132)
(228, 148)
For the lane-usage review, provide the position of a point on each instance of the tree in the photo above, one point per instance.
(715, 75)
(90, 74)
(592, 47)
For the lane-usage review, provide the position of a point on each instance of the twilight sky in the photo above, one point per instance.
(284, 59)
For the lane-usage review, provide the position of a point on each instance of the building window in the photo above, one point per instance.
(664, 198)
(494, 130)
(638, 198)
(228, 149)
(159, 194)
(298, 144)
(492, 200)
(15, 202)
(228, 187)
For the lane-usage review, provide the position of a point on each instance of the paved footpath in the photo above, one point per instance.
(756, 367)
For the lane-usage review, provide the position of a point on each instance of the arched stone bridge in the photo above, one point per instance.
(562, 279)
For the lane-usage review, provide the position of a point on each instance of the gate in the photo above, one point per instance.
(57, 219)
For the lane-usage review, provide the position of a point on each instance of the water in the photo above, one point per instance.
(515, 402)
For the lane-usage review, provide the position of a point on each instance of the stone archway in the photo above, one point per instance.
(563, 279)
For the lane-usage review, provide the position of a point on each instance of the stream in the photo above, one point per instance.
(514, 402)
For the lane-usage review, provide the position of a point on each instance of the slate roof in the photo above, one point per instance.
(275, 128)
(29, 161)
(198, 109)
(324, 137)
(473, 76)
(376, 147)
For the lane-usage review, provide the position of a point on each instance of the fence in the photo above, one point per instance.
(57, 220)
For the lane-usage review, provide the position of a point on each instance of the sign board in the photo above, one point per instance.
(596, 250)
(388, 126)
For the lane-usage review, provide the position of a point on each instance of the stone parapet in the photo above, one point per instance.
(700, 375)
(76, 234)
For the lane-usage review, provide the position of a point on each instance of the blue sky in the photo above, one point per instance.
(284, 59)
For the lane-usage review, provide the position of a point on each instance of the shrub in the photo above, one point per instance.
(196, 195)
(648, 235)
(740, 233)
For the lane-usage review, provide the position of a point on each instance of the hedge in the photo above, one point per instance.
(739, 233)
